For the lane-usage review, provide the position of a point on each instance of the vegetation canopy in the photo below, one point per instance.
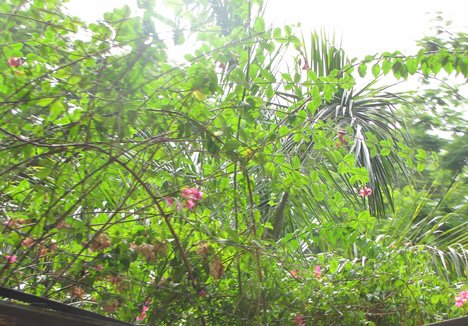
(263, 179)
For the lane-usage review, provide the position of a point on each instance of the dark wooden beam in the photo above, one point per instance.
(12, 314)
(45, 312)
(463, 321)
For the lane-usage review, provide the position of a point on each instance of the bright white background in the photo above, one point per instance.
(364, 26)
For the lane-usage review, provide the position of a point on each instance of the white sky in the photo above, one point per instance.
(364, 26)
(370, 26)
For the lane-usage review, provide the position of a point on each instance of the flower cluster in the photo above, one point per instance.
(78, 292)
(145, 250)
(201, 293)
(191, 196)
(28, 242)
(100, 242)
(11, 259)
(13, 224)
(317, 271)
(299, 320)
(111, 306)
(365, 191)
(461, 299)
(144, 309)
(15, 62)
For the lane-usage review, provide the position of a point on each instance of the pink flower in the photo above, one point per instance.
(11, 259)
(202, 293)
(461, 299)
(190, 204)
(299, 320)
(143, 313)
(169, 201)
(187, 193)
(365, 192)
(12, 224)
(197, 194)
(317, 271)
(15, 62)
(192, 193)
(459, 302)
(28, 242)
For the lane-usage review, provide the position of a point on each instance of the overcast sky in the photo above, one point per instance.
(364, 26)
(369, 26)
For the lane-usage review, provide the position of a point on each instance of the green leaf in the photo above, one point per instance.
(362, 69)
(376, 70)
(43, 102)
(296, 163)
(283, 131)
(386, 66)
(56, 109)
(412, 65)
(385, 151)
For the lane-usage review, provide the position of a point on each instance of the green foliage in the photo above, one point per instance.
(102, 133)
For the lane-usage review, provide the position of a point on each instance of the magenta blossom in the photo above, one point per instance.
(461, 299)
(201, 293)
(365, 192)
(15, 62)
(464, 295)
(187, 193)
(192, 193)
(299, 320)
(317, 272)
(143, 313)
(169, 201)
(11, 259)
(190, 204)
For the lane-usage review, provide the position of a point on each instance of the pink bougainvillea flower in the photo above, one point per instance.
(463, 295)
(459, 302)
(201, 293)
(11, 259)
(365, 192)
(142, 316)
(169, 201)
(299, 320)
(192, 193)
(317, 271)
(187, 193)
(461, 299)
(28, 242)
(15, 62)
(190, 204)
(197, 194)
(12, 224)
